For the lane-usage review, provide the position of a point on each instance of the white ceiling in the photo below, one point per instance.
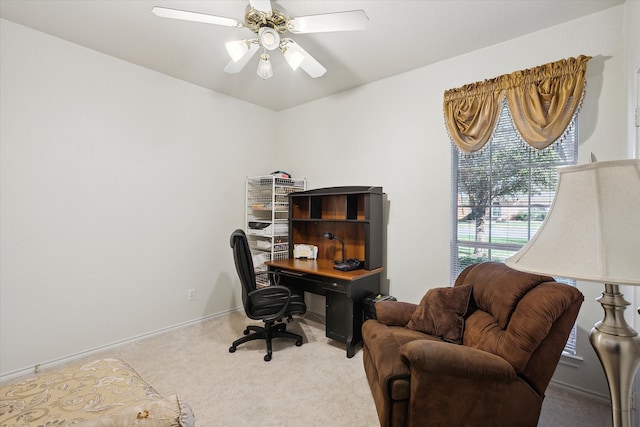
(400, 36)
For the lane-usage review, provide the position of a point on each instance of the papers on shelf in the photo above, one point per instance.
(270, 229)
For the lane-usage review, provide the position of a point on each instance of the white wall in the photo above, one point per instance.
(391, 133)
(632, 96)
(120, 187)
(632, 74)
(632, 69)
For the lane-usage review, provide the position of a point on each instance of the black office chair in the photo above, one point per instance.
(270, 304)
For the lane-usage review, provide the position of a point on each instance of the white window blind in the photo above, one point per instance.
(502, 193)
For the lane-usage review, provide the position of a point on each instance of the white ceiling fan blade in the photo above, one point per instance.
(338, 21)
(261, 5)
(309, 64)
(237, 66)
(164, 12)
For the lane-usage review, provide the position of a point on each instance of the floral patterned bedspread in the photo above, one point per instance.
(100, 393)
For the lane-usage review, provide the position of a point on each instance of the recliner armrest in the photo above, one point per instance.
(446, 359)
(394, 313)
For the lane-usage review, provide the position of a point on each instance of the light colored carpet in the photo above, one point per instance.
(311, 385)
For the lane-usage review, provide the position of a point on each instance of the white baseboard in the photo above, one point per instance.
(70, 358)
(590, 393)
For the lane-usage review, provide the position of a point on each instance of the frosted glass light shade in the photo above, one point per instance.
(265, 70)
(592, 231)
(237, 49)
(294, 59)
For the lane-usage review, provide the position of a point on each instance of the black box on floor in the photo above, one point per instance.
(369, 305)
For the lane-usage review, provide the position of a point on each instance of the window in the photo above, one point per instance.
(503, 193)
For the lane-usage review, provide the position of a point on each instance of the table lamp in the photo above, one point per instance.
(331, 236)
(592, 233)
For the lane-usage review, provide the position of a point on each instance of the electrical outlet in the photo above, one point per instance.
(191, 294)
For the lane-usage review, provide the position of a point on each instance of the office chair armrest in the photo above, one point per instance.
(275, 274)
(270, 295)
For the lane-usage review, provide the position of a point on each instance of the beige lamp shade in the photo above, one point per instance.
(592, 231)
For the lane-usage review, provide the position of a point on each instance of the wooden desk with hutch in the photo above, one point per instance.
(354, 215)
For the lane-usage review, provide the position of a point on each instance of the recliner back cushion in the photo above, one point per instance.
(509, 316)
(497, 289)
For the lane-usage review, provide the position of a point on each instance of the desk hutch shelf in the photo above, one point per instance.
(353, 214)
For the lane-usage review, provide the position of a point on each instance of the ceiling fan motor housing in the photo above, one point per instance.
(256, 19)
(269, 38)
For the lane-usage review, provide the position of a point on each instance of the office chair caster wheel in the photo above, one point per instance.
(298, 343)
(267, 357)
(232, 349)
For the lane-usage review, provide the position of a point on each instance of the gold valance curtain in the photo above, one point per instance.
(542, 102)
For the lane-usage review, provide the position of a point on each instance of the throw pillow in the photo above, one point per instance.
(441, 312)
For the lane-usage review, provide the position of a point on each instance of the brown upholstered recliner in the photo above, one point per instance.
(515, 329)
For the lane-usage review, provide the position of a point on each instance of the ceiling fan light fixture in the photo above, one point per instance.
(270, 22)
(237, 49)
(265, 70)
(269, 38)
(294, 59)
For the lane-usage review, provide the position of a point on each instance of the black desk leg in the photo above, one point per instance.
(351, 320)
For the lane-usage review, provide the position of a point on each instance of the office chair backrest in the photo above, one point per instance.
(244, 265)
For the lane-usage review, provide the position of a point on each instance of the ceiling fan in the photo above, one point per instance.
(270, 22)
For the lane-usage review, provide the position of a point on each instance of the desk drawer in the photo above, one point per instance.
(312, 283)
(302, 282)
(336, 286)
